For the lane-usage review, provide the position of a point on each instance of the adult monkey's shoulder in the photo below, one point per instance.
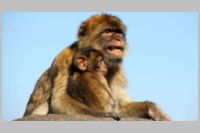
(39, 102)
(64, 58)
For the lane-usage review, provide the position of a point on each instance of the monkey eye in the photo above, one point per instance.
(107, 31)
(100, 58)
(113, 30)
(118, 31)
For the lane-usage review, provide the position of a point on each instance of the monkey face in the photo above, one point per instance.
(90, 59)
(101, 65)
(105, 33)
(113, 43)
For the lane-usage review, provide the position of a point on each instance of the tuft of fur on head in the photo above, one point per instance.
(96, 21)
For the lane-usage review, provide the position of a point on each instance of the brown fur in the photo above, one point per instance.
(101, 32)
(87, 82)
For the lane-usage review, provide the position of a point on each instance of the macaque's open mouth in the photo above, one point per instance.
(115, 50)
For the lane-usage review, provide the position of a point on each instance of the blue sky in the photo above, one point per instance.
(161, 65)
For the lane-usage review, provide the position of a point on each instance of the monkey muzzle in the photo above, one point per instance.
(116, 49)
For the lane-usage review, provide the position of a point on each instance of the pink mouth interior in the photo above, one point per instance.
(115, 50)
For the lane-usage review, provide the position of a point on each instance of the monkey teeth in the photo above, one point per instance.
(115, 50)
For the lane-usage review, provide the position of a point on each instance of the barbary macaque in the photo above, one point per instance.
(105, 33)
(87, 82)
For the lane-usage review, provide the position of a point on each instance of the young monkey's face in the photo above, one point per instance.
(91, 60)
(101, 65)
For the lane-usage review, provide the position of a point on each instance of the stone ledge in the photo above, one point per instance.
(59, 117)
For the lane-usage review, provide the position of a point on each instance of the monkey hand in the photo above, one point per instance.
(156, 113)
(115, 116)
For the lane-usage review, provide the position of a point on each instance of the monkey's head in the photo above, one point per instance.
(90, 59)
(105, 33)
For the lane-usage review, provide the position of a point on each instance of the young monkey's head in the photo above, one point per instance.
(89, 59)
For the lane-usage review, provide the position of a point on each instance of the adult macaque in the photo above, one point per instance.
(105, 33)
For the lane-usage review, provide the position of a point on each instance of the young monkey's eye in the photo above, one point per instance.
(100, 58)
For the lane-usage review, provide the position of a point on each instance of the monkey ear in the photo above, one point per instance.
(82, 30)
(81, 63)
